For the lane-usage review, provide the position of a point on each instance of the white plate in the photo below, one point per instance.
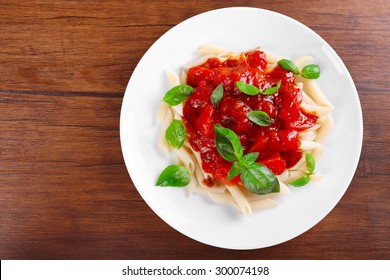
(239, 29)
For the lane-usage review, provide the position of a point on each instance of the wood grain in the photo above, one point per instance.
(64, 190)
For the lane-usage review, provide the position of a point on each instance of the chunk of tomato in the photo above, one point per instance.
(275, 163)
(257, 59)
(205, 121)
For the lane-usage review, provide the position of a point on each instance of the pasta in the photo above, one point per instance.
(314, 106)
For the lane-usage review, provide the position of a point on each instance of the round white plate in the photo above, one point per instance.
(239, 29)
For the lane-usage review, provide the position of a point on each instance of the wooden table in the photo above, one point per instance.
(64, 189)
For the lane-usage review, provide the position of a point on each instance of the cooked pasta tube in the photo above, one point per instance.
(309, 145)
(161, 111)
(315, 92)
(167, 119)
(301, 61)
(272, 57)
(211, 49)
(173, 78)
(325, 129)
(198, 61)
(311, 139)
(263, 204)
(240, 199)
(185, 158)
(315, 109)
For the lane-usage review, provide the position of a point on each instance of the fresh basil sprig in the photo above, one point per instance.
(249, 158)
(257, 178)
(301, 181)
(235, 170)
(259, 117)
(310, 163)
(310, 166)
(177, 94)
(217, 95)
(174, 176)
(253, 90)
(176, 134)
(227, 143)
(287, 64)
(311, 71)
(272, 90)
(247, 88)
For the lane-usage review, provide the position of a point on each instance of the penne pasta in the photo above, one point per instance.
(192, 186)
(311, 139)
(221, 197)
(177, 110)
(173, 78)
(309, 145)
(185, 158)
(240, 199)
(307, 98)
(183, 77)
(272, 58)
(294, 175)
(315, 109)
(198, 61)
(211, 49)
(263, 204)
(161, 112)
(325, 129)
(315, 92)
(167, 119)
(300, 62)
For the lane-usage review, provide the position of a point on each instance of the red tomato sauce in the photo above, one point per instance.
(277, 144)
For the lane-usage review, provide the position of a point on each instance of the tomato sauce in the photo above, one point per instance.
(277, 144)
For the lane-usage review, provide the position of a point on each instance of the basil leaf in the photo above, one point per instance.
(248, 159)
(287, 64)
(310, 163)
(258, 179)
(311, 71)
(177, 94)
(235, 170)
(174, 176)
(175, 134)
(272, 90)
(301, 181)
(227, 143)
(259, 117)
(247, 88)
(217, 95)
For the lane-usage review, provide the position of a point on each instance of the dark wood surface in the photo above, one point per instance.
(64, 189)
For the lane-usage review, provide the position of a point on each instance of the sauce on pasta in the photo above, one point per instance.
(277, 144)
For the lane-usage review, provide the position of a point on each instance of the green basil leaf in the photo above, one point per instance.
(174, 176)
(227, 143)
(259, 117)
(311, 71)
(248, 159)
(175, 134)
(310, 163)
(272, 90)
(287, 64)
(177, 94)
(217, 95)
(235, 170)
(301, 181)
(258, 179)
(247, 88)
